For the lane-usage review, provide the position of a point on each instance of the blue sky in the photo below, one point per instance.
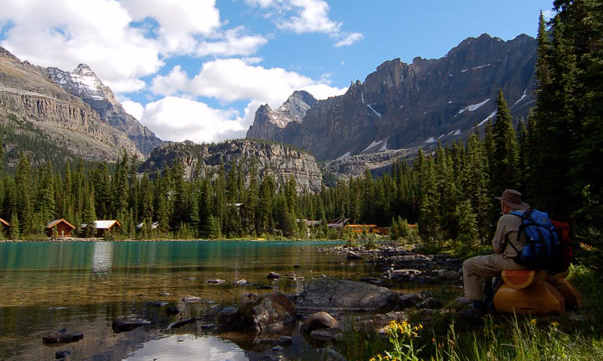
(198, 69)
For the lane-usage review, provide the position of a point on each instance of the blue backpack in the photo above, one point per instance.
(542, 249)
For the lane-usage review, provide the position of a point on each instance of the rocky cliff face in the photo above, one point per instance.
(411, 105)
(270, 158)
(268, 122)
(83, 83)
(27, 95)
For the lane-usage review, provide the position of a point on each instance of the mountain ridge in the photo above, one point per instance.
(403, 105)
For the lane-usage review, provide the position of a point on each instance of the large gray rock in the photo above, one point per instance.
(268, 313)
(319, 320)
(327, 293)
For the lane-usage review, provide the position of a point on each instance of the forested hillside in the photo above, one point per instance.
(554, 159)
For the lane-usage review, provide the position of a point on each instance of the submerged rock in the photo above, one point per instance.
(61, 354)
(172, 310)
(125, 324)
(181, 323)
(215, 281)
(241, 282)
(62, 336)
(328, 293)
(157, 304)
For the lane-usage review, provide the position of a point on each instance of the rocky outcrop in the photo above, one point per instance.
(376, 163)
(83, 83)
(32, 103)
(410, 105)
(269, 158)
(326, 294)
(268, 122)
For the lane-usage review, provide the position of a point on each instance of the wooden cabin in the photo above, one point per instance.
(59, 228)
(361, 228)
(105, 227)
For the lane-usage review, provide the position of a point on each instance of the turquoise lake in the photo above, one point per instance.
(84, 286)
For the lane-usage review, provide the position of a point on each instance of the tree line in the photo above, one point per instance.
(554, 158)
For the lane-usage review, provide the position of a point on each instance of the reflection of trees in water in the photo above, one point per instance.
(103, 257)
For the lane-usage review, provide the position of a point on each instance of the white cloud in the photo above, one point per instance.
(349, 40)
(180, 119)
(179, 20)
(312, 16)
(173, 83)
(133, 108)
(263, 3)
(64, 33)
(232, 79)
(232, 43)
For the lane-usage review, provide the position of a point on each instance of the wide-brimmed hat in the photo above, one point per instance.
(512, 198)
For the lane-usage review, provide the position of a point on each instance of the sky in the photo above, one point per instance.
(198, 69)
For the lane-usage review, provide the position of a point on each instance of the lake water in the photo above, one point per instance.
(84, 286)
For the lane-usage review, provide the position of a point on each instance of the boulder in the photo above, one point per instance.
(268, 313)
(353, 256)
(241, 282)
(273, 276)
(430, 302)
(62, 354)
(215, 281)
(127, 324)
(410, 300)
(328, 293)
(319, 320)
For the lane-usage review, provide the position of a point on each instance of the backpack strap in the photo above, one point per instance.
(522, 216)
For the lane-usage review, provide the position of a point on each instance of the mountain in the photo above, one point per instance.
(41, 118)
(268, 122)
(83, 83)
(401, 106)
(269, 157)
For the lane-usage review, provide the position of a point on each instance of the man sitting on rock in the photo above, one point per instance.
(477, 269)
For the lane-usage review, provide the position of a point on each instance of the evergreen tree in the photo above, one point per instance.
(89, 216)
(506, 154)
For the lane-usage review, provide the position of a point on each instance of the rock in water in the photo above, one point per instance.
(123, 324)
(62, 337)
(319, 320)
(328, 293)
(268, 313)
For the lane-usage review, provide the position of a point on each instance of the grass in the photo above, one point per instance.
(438, 336)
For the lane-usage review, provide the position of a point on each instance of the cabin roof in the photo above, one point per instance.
(57, 221)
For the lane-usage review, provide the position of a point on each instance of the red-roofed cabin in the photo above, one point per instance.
(59, 228)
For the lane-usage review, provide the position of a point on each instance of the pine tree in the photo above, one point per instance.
(506, 153)
(89, 216)
(14, 227)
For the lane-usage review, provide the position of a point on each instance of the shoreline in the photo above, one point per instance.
(99, 239)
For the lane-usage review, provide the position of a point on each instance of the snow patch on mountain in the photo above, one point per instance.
(374, 111)
(522, 97)
(344, 155)
(487, 118)
(430, 140)
(376, 146)
(473, 107)
(458, 132)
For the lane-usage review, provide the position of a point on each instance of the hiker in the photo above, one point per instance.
(477, 270)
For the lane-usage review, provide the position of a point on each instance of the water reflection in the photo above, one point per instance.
(189, 347)
(103, 256)
(84, 286)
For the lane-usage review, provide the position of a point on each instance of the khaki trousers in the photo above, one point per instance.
(477, 269)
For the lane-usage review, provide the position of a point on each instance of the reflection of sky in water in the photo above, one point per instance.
(189, 347)
(103, 252)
